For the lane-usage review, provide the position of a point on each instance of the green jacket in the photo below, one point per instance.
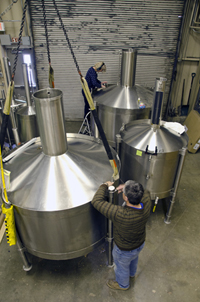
(129, 224)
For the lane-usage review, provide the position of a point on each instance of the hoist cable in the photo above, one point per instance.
(19, 39)
(67, 39)
(46, 32)
(7, 9)
(51, 71)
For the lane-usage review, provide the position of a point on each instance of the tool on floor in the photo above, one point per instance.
(193, 74)
(51, 71)
(91, 103)
(180, 111)
(185, 108)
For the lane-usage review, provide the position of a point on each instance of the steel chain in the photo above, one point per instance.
(7, 9)
(19, 39)
(46, 32)
(66, 36)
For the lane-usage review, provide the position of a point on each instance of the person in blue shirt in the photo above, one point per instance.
(93, 82)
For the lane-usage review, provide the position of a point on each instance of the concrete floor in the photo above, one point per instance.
(168, 270)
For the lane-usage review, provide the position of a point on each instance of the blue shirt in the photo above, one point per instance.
(91, 78)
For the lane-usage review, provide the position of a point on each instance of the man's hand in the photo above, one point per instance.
(109, 183)
(120, 188)
(103, 84)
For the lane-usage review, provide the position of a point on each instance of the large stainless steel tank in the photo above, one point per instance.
(118, 104)
(26, 116)
(150, 153)
(53, 179)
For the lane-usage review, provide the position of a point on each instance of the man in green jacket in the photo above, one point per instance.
(129, 227)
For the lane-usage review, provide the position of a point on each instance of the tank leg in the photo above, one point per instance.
(168, 215)
(110, 244)
(14, 127)
(178, 176)
(27, 266)
(96, 131)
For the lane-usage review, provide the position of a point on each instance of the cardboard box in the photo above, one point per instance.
(192, 125)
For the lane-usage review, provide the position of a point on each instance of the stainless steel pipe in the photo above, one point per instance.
(128, 67)
(26, 116)
(110, 229)
(158, 101)
(13, 105)
(26, 84)
(176, 183)
(22, 250)
(51, 122)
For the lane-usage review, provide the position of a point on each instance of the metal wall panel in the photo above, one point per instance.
(98, 30)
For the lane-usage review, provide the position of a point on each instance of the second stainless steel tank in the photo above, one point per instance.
(120, 104)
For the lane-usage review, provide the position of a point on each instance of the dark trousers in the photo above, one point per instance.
(87, 107)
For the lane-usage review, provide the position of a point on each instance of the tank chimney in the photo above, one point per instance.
(26, 115)
(26, 84)
(51, 122)
(158, 101)
(128, 67)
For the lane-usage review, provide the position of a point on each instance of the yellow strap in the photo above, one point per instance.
(9, 96)
(10, 224)
(87, 93)
(51, 77)
(116, 172)
(8, 212)
(2, 177)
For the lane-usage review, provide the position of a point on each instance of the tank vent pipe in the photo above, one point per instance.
(51, 122)
(128, 67)
(158, 101)
(26, 84)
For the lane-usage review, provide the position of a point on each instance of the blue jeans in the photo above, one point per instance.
(125, 264)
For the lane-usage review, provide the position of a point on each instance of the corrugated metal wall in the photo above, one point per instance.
(98, 30)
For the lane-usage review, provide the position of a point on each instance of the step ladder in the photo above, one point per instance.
(85, 126)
